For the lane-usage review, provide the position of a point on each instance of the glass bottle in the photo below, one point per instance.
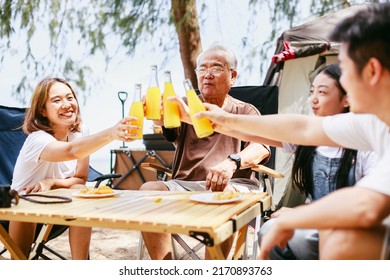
(202, 126)
(153, 96)
(137, 110)
(171, 109)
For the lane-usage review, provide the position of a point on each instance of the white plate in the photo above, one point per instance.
(209, 198)
(96, 195)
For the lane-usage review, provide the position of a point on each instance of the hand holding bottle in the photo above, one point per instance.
(202, 126)
(184, 111)
(220, 119)
(126, 129)
(137, 111)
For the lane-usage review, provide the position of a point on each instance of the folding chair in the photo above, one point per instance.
(11, 141)
(291, 197)
(265, 99)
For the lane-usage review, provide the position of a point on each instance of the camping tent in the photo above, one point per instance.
(299, 52)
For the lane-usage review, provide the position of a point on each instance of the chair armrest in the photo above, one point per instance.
(105, 177)
(267, 170)
(156, 168)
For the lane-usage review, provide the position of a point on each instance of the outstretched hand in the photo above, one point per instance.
(183, 109)
(276, 236)
(281, 211)
(124, 130)
(218, 116)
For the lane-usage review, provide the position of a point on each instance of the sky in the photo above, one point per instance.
(103, 108)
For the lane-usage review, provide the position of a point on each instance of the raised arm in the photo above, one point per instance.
(290, 128)
(336, 210)
(249, 137)
(84, 146)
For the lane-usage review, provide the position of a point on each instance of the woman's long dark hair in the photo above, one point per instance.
(303, 162)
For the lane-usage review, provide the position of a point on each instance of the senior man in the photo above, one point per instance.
(353, 223)
(217, 162)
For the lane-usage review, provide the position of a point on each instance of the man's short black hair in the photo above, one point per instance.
(367, 34)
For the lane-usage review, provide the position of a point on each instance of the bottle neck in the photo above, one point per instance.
(167, 77)
(153, 82)
(187, 85)
(137, 94)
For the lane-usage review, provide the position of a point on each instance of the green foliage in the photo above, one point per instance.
(5, 18)
(102, 28)
(90, 25)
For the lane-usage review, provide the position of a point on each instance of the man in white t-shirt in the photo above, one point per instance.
(351, 221)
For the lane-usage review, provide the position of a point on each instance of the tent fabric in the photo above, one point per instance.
(310, 34)
(292, 53)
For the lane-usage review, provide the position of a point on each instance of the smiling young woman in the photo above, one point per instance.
(56, 154)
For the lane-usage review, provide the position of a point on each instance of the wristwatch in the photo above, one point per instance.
(237, 159)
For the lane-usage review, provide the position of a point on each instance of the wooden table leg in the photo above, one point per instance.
(216, 252)
(43, 236)
(240, 243)
(11, 246)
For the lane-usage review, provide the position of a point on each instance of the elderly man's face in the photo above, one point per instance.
(215, 86)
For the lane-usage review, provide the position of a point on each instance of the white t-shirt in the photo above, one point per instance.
(365, 160)
(364, 132)
(29, 169)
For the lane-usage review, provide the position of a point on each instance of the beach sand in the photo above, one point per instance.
(111, 244)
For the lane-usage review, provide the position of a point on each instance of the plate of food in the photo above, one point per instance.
(100, 192)
(216, 197)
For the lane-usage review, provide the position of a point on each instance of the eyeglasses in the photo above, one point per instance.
(214, 70)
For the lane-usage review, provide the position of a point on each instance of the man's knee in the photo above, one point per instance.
(347, 244)
(153, 186)
(354, 244)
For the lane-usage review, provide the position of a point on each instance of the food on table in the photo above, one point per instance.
(99, 190)
(226, 195)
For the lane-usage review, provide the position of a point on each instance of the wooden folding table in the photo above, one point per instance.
(167, 212)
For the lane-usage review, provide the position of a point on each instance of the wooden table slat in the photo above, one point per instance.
(137, 210)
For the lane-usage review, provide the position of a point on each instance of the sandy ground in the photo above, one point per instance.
(110, 244)
(106, 244)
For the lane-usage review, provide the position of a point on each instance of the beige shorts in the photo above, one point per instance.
(241, 184)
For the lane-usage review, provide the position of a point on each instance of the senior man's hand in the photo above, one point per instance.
(218, 178)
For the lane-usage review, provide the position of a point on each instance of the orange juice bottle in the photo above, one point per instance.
(171, 109)
(137, 110)
(153, 96)
(202, 126)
